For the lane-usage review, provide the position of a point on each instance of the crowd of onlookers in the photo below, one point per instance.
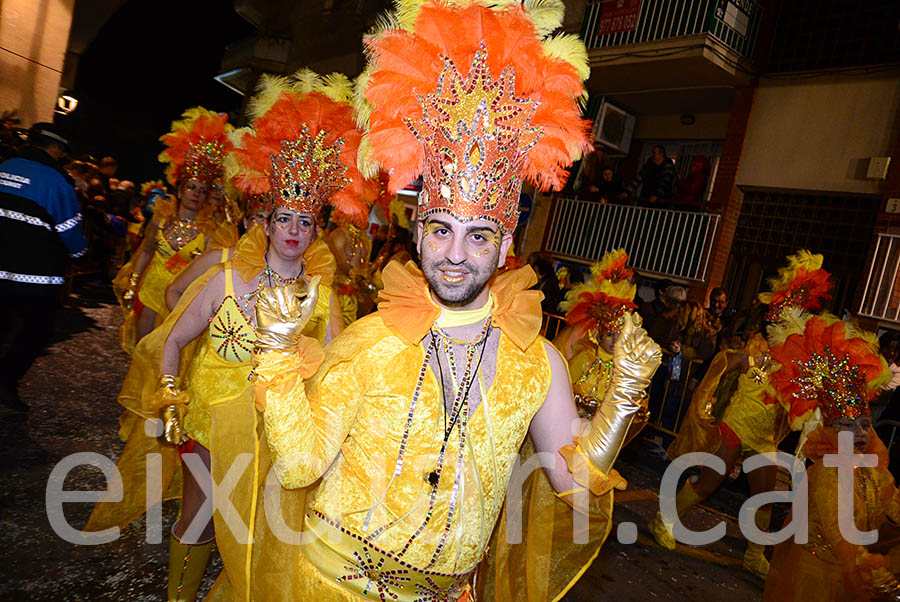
(656, 183)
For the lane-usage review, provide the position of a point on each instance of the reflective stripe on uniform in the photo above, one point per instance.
(30, 279)
(28, 219)
(69, 223)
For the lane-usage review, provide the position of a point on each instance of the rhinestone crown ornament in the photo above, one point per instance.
(258, 202)
(835, 383)
(204, 161)
(476, 135)
(307, 171)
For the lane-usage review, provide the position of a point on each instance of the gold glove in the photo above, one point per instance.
(635, 359)
(172, 414)
(130, 293)
(173, 420)
(283, 312)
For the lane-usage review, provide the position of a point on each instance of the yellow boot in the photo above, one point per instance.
(686, 499)
(187, 563)
(755, 558)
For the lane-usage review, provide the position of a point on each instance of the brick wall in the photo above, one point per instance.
(725, 192)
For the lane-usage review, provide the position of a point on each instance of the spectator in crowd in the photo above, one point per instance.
(656, 182)
(718, 307)
(649, 310)
(568, 277)
(691, 188)
(108, 168)
(610, 187)
(885, 405)
(40, 229)
(588, 179)
(548, 283)
(688, 329)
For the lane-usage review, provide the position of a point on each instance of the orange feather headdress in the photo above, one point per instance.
(599, 305)
(475, 96)
(301, 148)
(824, 364)
(196, 146)
(801, 284)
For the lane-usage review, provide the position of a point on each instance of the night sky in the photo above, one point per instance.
(149, 62)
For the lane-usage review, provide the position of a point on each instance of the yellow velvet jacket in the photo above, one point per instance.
(335, 437)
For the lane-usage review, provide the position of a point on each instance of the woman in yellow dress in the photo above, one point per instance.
(751, 422)
(594, 311)
(257, 209)
(195, 153)
(829, 372)
(200, 355)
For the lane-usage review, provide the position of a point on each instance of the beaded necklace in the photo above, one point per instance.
(459, 414)
(602, 367)
(180, 232)
(269, 276)
(587, 404)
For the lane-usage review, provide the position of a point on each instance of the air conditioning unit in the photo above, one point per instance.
(614, 127)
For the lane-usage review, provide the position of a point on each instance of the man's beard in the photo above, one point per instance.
(448, 294)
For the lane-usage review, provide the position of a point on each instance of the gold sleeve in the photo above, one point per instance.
(306, 419)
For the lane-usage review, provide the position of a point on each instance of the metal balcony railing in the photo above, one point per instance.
(735, 23)
(658, 241)
(881, 295)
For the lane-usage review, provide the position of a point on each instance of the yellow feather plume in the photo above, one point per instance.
(361, 106)
(267, 92)
(367, 167)
(306, 80)
(569, 48)
(337, 87)
(547, 15)
(787, 274)
(396, 207)
(232, 168)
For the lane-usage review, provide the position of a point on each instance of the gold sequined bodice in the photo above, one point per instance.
(174, 234)
(231, 333)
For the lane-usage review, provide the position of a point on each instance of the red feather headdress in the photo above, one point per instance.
(801, 284)
(475, 97)
(196, 146)
(824, 363)
(301, 149)
(599, 305)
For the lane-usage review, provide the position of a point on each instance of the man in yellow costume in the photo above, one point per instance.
(405, 439)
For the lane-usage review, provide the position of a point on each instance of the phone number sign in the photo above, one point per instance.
(618, 15)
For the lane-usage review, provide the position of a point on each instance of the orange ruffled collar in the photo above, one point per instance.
(409, 311)
(824, 440)
(250, 257)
